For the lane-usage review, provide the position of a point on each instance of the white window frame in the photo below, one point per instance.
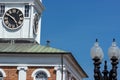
(40, 70)
(3, 73)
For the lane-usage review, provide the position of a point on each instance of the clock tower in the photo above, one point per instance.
(21, 56)
(20, 19)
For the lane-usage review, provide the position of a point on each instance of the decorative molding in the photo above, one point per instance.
(57, 68)
(22, 68)
(60, 68)
(52, 65)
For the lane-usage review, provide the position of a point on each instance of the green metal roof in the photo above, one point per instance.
(34, 48)
(27, 47)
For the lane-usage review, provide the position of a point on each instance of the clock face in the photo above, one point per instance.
(35, 27)
(13, 19)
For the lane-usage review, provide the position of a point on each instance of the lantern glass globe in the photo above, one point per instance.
(96, 51)
(114, 51)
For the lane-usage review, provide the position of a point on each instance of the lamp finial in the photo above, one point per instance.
(113, 39)
(96, 40)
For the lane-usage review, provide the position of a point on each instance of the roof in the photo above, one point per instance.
(27, 47)
(23, 46)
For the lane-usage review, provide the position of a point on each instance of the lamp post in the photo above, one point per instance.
(97, 56)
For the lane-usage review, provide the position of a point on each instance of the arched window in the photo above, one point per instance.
(41, 74)
(1, 76)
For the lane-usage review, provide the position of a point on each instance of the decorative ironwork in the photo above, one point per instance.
(105, 74)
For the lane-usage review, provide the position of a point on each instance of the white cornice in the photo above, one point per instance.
(14, 1)
(30, 65)
(36, 3)
(74, 65)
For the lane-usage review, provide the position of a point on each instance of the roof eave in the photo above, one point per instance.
(84, 75)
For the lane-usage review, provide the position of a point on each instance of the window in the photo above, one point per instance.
(41, 76)
(1, 76)
(2, 9)
(26, 10)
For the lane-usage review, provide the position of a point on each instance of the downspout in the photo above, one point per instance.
(62, 66)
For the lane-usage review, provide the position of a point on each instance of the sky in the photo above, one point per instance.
(73, 25)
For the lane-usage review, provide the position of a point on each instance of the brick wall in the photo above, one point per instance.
(12, 72)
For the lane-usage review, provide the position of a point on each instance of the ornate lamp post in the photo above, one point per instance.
(97, 56)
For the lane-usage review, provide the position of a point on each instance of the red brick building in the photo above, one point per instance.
(21, 55)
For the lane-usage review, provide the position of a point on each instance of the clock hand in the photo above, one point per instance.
(16, 24)
(11, 17)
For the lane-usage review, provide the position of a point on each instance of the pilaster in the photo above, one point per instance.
(61, 73)
(22, 72)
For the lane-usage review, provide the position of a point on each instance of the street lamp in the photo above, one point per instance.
(97, 56)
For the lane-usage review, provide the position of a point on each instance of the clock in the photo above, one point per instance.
(35, 24)
(13, 19)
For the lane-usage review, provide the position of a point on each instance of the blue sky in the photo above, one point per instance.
(73, 25)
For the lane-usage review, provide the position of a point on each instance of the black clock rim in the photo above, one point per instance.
(16, 27)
